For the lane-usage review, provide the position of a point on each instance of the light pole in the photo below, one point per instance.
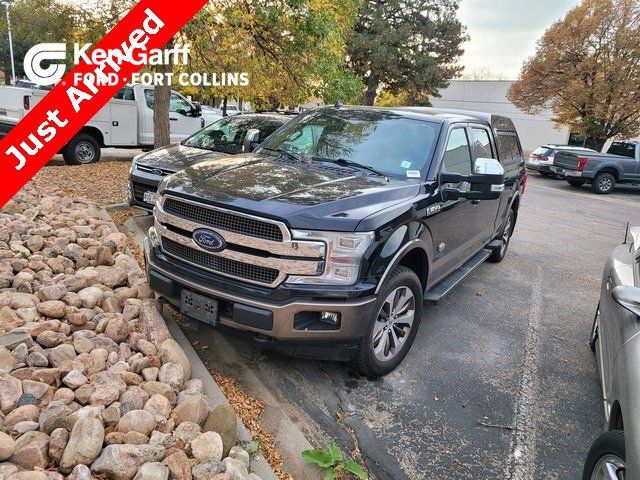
(13, 66)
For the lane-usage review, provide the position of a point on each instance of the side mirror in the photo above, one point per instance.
(251, 140)
(486, 182)
(628, 298)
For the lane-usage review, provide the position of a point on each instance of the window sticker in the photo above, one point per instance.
(413, 173)
(405, 164)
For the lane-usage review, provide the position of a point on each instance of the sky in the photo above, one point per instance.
(504, 32)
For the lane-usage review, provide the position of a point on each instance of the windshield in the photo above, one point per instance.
(227, 134)
(385, 141)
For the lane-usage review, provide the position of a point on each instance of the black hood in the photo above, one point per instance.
(311, 196)
(176, 157)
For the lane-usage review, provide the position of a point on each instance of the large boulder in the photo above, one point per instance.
(85, 444)
(170, 351)
(122, 462)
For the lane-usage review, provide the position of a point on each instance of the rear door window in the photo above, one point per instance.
(509, 148)
(623, 149)
(480, 143)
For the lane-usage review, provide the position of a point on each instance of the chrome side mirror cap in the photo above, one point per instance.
(628, 298)
(251, 140)
(488, 166)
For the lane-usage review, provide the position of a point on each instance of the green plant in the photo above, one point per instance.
(334, 463)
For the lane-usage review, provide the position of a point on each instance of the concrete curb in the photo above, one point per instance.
(258, 465)
(211, 389)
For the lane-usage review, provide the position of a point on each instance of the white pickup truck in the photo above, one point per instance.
(125, 122)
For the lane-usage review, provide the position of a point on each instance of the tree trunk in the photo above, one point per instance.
(161, 123)
(371, 92)
(224, 106)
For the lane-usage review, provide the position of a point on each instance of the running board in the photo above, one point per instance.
(445, 286)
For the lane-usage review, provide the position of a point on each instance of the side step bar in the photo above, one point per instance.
(438, 291)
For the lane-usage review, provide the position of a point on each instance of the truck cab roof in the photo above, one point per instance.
(497, 122)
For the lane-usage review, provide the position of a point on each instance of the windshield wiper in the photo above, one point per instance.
(285, 152)
(351, 163)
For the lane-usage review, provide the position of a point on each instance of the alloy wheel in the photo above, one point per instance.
(605, 184)
(393, 324)
(506, 234)
(609, 467)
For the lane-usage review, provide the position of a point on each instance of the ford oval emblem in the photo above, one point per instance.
(208, 240)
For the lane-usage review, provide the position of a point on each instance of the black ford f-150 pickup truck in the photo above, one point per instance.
(326, 240)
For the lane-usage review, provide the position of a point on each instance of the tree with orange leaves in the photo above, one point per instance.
(587, 70)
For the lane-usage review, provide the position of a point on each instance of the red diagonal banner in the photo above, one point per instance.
(80, 95)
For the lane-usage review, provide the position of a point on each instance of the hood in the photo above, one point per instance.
(309, 196)
(176, 157)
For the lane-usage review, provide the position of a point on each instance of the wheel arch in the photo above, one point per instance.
(613, 170)
(93, 132)
(413, 255)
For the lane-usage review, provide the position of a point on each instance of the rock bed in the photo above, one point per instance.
(91, 384)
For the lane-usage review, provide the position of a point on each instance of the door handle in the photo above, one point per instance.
(173, 119)
(475, 202)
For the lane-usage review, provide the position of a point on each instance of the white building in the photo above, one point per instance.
(491, 96)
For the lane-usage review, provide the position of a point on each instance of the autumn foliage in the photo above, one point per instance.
(587, 70)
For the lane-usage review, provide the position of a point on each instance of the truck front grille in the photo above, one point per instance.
(223, 220)
(139, 190)
(225, 266)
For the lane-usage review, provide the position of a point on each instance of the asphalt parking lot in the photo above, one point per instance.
(500, 382)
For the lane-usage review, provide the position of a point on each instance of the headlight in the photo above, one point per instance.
(161, 186)
(343, 257)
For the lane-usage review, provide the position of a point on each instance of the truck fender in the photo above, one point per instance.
(612, 167)
(397, 246)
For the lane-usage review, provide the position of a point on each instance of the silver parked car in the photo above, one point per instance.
(615, 338)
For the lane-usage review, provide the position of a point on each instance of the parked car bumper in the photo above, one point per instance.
(291, 326)
(143, 186)
(538, 167)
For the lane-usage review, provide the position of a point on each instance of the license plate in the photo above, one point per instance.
(149, 197)
(199, 307)
(573, 173)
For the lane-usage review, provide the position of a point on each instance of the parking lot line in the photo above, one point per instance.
(590, 197)
(521, 465)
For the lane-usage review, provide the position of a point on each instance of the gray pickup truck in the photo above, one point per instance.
(621, 164)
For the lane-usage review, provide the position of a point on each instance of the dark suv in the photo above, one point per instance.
(328, 238)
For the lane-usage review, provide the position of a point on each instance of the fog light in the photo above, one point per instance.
(331, 318)
(154, 238)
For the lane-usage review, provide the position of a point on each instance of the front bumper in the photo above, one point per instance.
(279, 326)
(139, 184)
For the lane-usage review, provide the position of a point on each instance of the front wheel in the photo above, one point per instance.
(393, 326)
(499, 253)
(82, 150)
(606, 459)
(603, 183)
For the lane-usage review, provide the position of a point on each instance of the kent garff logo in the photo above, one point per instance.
(52, 73)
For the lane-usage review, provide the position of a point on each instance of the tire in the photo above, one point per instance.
(82, 150)
(575, 182)
(603, 183)
(594, 331)
(376, 358)
(608, 447)
(499, 253)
